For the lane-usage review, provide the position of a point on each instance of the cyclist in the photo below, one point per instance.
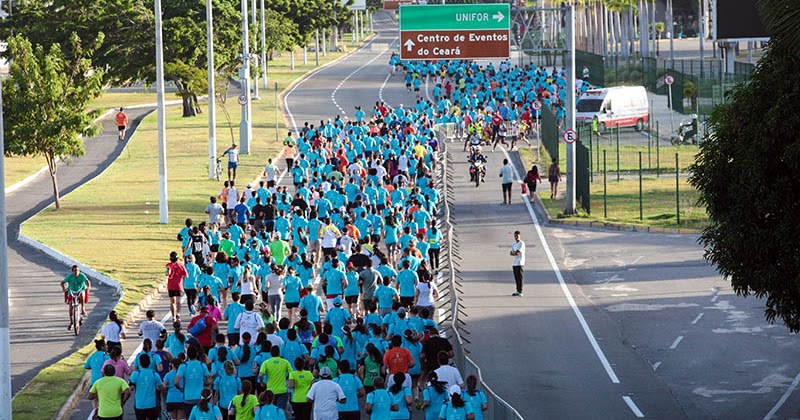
(122, 123)
(76, 284)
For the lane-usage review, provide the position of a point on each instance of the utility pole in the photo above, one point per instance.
(253, 11)
(264, 48)
(245, 129)
(163, 208)
(5, 333)
(212, 100)
(570, 123)
(671, 29)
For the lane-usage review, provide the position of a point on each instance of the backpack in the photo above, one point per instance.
(198, 327)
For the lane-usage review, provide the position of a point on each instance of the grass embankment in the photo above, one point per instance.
(20, 167)
(112, 222)
(659, 206)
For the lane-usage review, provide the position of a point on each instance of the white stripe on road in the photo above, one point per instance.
(333, 94)
(632, 406)
(575, 309)
(676, 343)
(656, 366)
(784, 397)
(697, 319)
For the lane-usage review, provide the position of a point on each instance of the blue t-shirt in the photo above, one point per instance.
(270, 412)
(174, 395)
(292, 285)
(192, 374)
(213, 413)
(381, 401)
(311, 303)
(408, 282)
(435, 402)
(146, 381)
(451, 413)
(385, 295)
(474, 403)
(95, 363)
(400, 400)
(232, 312)
(228, 387)
(350, 385)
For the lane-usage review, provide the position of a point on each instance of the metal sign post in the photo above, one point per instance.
(669, 80)
(570, 135)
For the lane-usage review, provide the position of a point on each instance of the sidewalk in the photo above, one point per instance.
(34, 277)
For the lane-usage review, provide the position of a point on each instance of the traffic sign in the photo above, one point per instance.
(570, 136)
(668, 79)
(537, 105)
(242, 99)
(464, 31)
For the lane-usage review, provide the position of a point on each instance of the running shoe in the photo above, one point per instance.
(515, 294)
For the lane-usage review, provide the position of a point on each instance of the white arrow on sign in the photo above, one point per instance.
(409, 45)
(498, 16)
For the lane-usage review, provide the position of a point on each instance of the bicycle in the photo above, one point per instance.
(218, 170)
(76, 318)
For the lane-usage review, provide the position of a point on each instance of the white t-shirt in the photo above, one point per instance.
(275, 340)
(450, 375)
(506, 172)
(325, 394)
(111, 332)
(425, 294)
(248, 322)
(270, 171)
(328, 238)
(274, 283)
(518, 259)
(233, 198)
(233, 155)
(214, 211)
(247, 286)
(151, 329)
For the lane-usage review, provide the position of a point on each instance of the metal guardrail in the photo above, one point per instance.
(499, 409)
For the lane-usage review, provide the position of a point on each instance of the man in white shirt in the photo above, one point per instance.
(270, 170)
(214, 211)
(151, 328)
(446, 373)
(233, 160)
(507, 175)
(518, 252)
(324, 395)
(249, 321)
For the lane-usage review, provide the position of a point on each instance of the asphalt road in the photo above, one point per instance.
(34, 277)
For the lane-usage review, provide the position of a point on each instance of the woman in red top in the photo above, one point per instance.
(530, 181)
(176, 272)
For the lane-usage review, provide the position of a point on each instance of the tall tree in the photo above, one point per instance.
(748, 175)
(46, 98)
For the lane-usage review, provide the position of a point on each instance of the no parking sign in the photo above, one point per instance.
(570, 136)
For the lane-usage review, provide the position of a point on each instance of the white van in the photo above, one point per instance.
(623, 106)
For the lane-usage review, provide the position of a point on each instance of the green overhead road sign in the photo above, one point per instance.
(455, 17)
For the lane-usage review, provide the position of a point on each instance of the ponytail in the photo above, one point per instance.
(246, 388)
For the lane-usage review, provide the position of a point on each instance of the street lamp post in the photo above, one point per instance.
(245, 129)
(212, 100)
(254, 57)
(263, 47)
(163, 208)
(5, 335)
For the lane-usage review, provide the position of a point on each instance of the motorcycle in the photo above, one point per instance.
(688, 132)
(477, 168)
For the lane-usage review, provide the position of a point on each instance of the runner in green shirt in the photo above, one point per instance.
(76, 283)
(111, 392)
(277, 370)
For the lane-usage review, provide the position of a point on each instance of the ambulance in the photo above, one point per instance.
(623, 106)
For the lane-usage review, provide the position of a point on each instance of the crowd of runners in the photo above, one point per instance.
(309, 292)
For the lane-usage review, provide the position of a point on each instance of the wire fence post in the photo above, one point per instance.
(641, 209)
(649, 142)
(658, 154)
(605, 190)
(677, 190)
(591, 160)
(617, 152)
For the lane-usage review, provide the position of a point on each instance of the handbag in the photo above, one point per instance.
(524, 188)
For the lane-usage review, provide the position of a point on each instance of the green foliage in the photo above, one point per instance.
(281, 32)
(46, 98)
(748, 175)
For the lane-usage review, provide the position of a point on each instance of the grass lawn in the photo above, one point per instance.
(119, 210)
(20, 167)
(659, 207)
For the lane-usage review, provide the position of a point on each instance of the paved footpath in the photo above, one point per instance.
(40, 337)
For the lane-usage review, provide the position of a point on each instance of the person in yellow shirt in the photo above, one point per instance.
(277, 371)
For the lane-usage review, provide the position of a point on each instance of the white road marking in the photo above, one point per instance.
(592, 340)
(676, 343)
(697, 319)
(383, 86)
(637, 259)
(333, 94)
(714, 298)
(783, 398)
(623, 307)
(656, 366)
(632, 406)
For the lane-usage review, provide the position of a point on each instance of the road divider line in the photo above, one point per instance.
(575, 309)
(697, 318)
(676, 343)
(656, 366)
(333, 94)
(783, 398)
(632, 405)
